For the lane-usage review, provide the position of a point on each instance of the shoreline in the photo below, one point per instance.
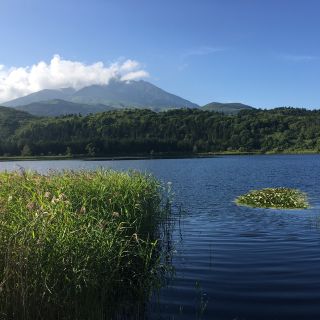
(155, 156)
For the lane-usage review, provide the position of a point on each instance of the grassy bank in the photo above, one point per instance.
(77, 245)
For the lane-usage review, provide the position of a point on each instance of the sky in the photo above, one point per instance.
(265, 53)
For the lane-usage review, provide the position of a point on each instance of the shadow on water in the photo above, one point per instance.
(156, 307)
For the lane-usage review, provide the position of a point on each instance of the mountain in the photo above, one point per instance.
(226, 108)
(57, 107)
(118, 94)
(138, 94)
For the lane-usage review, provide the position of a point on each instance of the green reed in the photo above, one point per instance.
(278, 198)
(78, 245)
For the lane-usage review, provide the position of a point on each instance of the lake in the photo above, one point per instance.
(233, 262)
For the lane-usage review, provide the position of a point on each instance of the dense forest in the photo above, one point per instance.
(129, 132)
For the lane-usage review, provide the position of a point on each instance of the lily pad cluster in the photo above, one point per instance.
(278, 198)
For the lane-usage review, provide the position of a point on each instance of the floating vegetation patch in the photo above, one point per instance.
(79, 245)
(278, 198)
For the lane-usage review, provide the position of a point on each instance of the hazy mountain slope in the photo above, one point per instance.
(226, 108)
(120, 94)
(42, 95)
(57, 107)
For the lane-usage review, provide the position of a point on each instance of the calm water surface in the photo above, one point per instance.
(234, 262)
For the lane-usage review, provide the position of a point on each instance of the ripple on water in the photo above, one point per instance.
(235, 262)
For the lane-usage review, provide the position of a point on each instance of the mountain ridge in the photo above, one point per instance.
(42, 95)
(115, 95)
(118, 94)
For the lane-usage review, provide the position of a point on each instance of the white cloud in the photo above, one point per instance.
(134, 75)
(60, 73)
(129, 65)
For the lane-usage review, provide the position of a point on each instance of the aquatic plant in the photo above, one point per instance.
(279, 198)
(78, 245)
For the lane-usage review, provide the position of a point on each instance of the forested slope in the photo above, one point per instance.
(144, 131)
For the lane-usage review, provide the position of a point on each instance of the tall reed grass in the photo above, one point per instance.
(78, 245)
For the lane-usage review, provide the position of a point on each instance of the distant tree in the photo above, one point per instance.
(90, 149)
(68, 152)
(26, 151)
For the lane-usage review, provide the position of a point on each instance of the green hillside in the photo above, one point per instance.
(10, 121)
(226, 108)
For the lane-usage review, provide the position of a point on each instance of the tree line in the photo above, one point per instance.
(134, 131)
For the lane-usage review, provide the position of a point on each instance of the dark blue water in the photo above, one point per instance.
(234, 262)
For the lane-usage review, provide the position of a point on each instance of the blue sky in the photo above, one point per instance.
(263, 53)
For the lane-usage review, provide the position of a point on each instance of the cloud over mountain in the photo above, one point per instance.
(60, 73)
